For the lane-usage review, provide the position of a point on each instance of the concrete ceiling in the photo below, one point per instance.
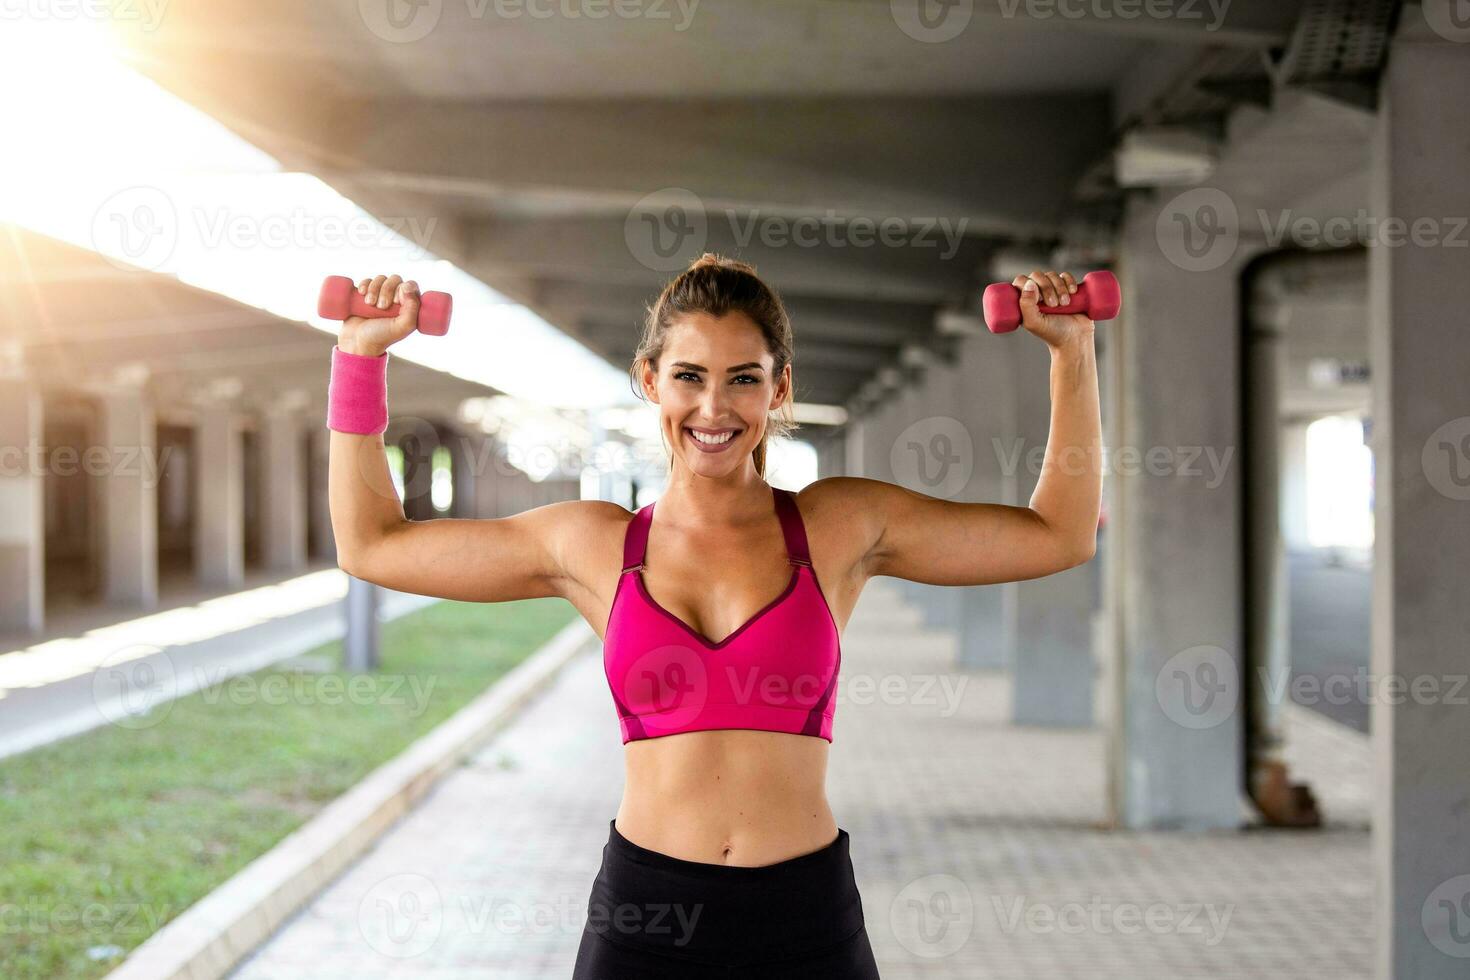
(543, 147)
(80, 323)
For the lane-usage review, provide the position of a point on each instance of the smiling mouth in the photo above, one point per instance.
(711, 440)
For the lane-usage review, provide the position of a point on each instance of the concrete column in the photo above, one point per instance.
(1054, 665)
(128, 497)
(1421, 439)
(984, 400)
(22, 514)
(464, 460)
(854, 440)
(1294, 486)
(1175, 526)
(323, 545)
(283, 492)
(219, 545)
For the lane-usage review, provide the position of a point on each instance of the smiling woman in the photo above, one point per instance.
(712, 289)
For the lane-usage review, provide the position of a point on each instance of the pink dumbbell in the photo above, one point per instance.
(1097, 296)
(340, 299)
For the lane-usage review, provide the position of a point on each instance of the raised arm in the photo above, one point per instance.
(479, 560)
(945, 542)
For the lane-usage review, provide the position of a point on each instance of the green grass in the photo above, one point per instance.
(108, 835)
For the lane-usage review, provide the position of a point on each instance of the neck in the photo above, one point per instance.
(735, 500)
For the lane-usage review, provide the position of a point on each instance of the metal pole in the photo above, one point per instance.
(360, 649)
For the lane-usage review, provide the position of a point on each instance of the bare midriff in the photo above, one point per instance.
(734, 796)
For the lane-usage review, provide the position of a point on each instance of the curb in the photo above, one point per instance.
(223, 927)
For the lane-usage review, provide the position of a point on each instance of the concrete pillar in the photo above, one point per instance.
(1053, 665)
(322, 543)
(984, 399)
(854, 441)
(464, 461)
(283, 492)
(22, 514)
(1294, 485)
(1174, 525)
(219, 545)
(1421, 439)
(128, 497)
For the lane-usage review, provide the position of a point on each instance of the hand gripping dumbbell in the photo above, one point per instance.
(1097, 297)
(340, 299)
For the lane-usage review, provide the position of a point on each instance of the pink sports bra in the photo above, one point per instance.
(777, 672)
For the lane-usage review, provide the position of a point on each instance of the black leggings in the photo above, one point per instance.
(656, 917)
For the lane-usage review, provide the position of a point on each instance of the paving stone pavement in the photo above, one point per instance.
(979, 846)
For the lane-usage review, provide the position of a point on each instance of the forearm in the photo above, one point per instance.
(364, 503)
(1068, 494)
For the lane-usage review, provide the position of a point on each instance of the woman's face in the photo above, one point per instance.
(714, 386)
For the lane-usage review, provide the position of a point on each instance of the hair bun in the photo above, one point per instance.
(715, 260)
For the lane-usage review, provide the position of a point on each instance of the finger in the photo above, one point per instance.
(1071, 282)
(408, 310)
(362, 286)
(1048, 294)
(372, 291)
(1060, 286)
(388, 293)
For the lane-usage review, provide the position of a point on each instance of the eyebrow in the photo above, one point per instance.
(739, 367)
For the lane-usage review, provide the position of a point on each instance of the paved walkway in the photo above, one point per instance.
(978, 847)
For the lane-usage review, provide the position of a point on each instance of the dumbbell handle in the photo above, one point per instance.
(1097, 296)
(340, 299)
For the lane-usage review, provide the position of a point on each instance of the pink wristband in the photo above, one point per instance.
(357, 394)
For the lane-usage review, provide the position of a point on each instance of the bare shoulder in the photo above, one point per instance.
(586, 539)
(843, 516)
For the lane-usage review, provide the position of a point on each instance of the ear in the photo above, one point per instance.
(783, 388)
(648, 378)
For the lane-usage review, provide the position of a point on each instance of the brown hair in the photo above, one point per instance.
(716, 285)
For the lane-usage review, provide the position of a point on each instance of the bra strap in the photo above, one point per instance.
(635, 538)
(792, 527)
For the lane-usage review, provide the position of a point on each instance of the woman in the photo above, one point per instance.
(724, 859)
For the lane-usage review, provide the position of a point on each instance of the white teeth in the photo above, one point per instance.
(713, 440)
